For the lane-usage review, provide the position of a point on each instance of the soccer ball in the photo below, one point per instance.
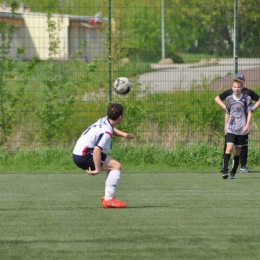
(122, 85)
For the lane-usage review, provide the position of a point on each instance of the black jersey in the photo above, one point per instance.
(245, 91)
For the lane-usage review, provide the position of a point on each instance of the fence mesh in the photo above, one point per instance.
(59, 60)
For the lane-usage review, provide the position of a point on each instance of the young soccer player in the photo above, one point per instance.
(255, 97)
(90, 152)
(238, 116)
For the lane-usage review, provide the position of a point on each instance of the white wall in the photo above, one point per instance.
(36, 38)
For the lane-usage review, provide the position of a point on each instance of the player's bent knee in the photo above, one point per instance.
(118, 166)
(115, 165)
(111, 164)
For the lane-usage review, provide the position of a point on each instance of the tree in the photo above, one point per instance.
(138, 23)
(57, 102)
(212, 24)
(13, 101)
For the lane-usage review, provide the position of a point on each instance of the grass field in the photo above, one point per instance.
(169, 216)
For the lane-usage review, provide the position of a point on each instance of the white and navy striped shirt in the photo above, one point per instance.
(99, 134)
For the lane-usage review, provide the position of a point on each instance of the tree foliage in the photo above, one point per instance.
(138, 23)
(212, 24)
(13, 102)
(58, 103)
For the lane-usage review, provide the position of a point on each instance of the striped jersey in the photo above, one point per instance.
(237, 110)
(99, 134)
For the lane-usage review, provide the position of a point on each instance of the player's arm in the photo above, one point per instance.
(256, 105)
(220, 102)
(219, 99)
(249, 117)
(97, 161)
(255, 97)
(117, 132)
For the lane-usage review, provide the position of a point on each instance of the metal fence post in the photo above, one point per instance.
(235, 36)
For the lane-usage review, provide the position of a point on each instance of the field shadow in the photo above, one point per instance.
(140, 207)
(127, 207)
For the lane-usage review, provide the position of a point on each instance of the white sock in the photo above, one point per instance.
(112, 180)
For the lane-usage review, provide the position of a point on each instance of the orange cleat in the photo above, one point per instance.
(102, 198)
(113, 203)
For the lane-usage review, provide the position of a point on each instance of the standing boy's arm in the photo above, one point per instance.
(249, 117)
(220, 102)
(257, 104)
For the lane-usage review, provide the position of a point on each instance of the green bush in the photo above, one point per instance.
(195, 157)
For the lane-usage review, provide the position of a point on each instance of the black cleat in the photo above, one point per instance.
(232, 175)
(225, 175)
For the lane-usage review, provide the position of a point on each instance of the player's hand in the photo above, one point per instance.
(90, 172)
(130, 136)
(245, 129)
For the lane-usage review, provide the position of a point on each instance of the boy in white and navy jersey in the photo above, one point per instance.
(238, 116)
(90, 152)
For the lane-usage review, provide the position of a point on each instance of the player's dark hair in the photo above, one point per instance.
(114, 111)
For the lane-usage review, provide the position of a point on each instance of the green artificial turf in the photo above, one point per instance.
(169, 216)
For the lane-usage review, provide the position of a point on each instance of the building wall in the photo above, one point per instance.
(31, 33)
(36, 38)
(92, 36)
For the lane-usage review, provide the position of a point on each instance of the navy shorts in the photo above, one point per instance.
(86, 161)
(237, 140)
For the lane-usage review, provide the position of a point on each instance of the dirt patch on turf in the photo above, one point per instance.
(252, 77)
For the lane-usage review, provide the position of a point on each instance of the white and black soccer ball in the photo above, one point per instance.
(122, 85)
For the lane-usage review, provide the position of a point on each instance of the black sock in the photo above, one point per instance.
(243, 155)
(226, 161)
(236, 163)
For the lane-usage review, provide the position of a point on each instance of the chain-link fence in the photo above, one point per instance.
(59, 60)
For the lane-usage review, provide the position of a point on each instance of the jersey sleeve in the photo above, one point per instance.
(225, 94)
(104, 140)
(254, 96)
(250, 105)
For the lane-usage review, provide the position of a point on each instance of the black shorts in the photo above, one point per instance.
(84, 162)
(237, 140)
